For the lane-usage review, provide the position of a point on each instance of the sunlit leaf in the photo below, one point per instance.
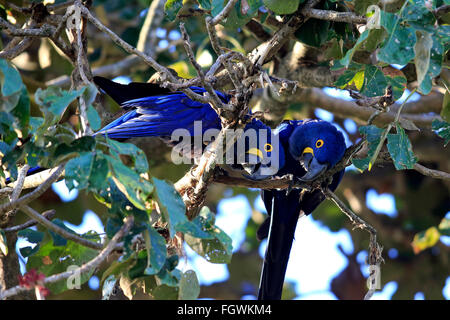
(425, 239)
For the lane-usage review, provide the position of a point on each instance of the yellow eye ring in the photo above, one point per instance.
(268, 147)
(319, 143)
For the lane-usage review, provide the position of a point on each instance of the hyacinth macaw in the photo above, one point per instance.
(312, 147)
(307, 149)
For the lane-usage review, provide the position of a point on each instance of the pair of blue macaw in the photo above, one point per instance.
(307, 149)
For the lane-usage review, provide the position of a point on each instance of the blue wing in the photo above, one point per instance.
(158, 115)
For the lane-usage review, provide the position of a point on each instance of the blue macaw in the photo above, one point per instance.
(312, 148)
(308, 148)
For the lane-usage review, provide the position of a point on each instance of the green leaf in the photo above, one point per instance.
(205, 4)
(56, 100)
(134, 187)
(93, 118)
(396, 79)
(3, 243)
(349, 54)
(57, 239)
(98, 180)
(171, 205)
(189, 286)
(164, 292)
(31, 235)
(416, 10)
(282, 7)
(374, 82)
(10, 79)
(52, 259)
(373, 136)
(138, 156)
(442, 129)
(29, 251)
(156, 251)
(398, 47)
(78, 170)
(400, 149)
(78, 146)
(217, 248)
(425, 239)
(118, 267)
(22, 111)
(376, 36)
(242, 12)
(172, 7)
(313, 32)
(362, 5)
(445, 112)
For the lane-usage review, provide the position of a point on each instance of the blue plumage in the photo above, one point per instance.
(160, 115)
(306, 150)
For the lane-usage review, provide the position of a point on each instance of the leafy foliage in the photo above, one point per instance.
(118, 175)
(36, 128)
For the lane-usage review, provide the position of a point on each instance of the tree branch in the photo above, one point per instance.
(94, 263)
(49, 214)
(58, 230)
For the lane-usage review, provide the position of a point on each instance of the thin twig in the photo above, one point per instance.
(375, 249)
(33, 214)
(56, 173)
(431, 172)
(224, 13)
(94, 263)
(217, 104)
(49, 214)
(149, 60)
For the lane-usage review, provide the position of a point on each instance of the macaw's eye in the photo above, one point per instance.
(268, 147)
(319, 143)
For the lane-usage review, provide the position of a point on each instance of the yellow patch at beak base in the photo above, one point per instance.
(308, 150)
(256, 152)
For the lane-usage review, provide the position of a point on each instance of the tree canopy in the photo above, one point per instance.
(377, 69)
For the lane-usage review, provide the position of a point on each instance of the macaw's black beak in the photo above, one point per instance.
(313, 168)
